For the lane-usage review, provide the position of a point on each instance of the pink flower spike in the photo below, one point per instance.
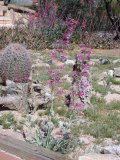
(74, 73)
(25, 78)
(89, 52)
(84, 24)
(84, 84)
(52, 55)
(84, 74)
(74, 21)
(80, 93)
(70, 28)
(61, 50)
(66, 36)
(83, 49)
(66, 42)
(82, 45)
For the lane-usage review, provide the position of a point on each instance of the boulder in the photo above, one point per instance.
(24, 96)
(114, 149)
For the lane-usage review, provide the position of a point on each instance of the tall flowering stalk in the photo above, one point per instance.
(80, 89)
(46, 17)
(53, 82)
(57, 55)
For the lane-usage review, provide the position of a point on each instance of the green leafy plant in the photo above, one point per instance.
(56, 139)
(113, 81)
(7, 120)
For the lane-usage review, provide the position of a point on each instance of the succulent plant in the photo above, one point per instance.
(15, 63)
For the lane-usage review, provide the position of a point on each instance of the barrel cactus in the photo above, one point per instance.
(15, 63)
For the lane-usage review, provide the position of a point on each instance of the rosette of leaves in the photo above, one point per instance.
(43, 137)
(15, 63)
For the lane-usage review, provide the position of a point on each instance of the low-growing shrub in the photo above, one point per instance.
(33, 39)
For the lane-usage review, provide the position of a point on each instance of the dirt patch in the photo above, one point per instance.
(107, 52)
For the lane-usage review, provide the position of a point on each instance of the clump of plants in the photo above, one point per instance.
(33, 39)
(56, 139)
(7, 120)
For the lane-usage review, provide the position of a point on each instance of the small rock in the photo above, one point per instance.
(116, 61)
(94, 156)
(102, 83)
(104, 61)
(67, 78)
(117, 72)
(117, 78)
(58, 63)
(61, 124)
(111, 73)
(103, 75)
(70, 62)
(85, 139)
(48, 96)
(10, 83)
(115, 87)
(98, 95)
(112, 97)
(56, 133)
(114, 149)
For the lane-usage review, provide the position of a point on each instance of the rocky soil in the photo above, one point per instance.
(97, 128)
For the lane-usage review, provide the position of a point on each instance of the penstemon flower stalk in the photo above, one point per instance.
(80, 89)
(59, 56)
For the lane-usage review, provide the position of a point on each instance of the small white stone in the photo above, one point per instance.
(66, 77)
(111, 73)
(70, 62)
(86, 139)
(61, 124)
(101, 83)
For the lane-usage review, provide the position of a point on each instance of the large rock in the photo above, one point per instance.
(94, 156)
(117, 72)
(114, 149)
(24, 96)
